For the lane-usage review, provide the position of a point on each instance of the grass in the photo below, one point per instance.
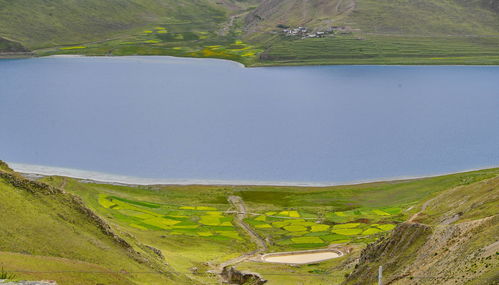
(181, 220)
(167, 42)
(383, 49)
(340, 214)
(283, 231)
(6, 275)
(385, 32)
(67, 271)
(41, 24)
(39, 224)
(291, 218)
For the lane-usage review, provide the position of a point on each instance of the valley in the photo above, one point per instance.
(173, 223)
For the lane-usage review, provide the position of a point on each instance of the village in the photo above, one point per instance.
(304, 32)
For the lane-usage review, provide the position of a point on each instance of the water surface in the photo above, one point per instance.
(171, 118)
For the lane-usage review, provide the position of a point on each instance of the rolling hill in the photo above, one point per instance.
(428, 17)
(59, 228)
(452, 240)
(251, 31)
(47, 233)
(38, 24)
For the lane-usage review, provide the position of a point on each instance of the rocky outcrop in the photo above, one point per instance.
(156, 251)
(234, 276)
(421, 254)
(34, 187)
(403, 242)
(5, 167)
(8, 46)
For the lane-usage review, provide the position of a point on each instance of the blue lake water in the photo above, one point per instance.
(171, 118)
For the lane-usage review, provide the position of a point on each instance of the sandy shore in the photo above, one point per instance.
(130, 180)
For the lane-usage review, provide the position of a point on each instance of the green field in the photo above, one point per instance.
(289, 230)
(193, 229)
(179, 220)
(384, 49)
(45, 230)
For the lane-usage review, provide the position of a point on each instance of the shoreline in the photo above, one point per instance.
(255, 65)
(117, 179)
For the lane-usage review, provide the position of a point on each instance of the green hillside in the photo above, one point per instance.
(44, 229)
(63, 229)
(252, 31)
(39, 24)
(180, 220)
(426, 17)
(452, 240)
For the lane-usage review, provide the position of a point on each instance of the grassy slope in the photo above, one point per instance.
(44, 229)
(454, 240)
(39, 24)
(428, 17)
(182, 252)
(383, 49)
(397, 32)
(182, 255)
(387, 31)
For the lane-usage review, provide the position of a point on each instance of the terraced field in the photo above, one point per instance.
(287, 230)
(361, 48)
(183, 40)
(301, 230)
(181, 220)
(195, 221)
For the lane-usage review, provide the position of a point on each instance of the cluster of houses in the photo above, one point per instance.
(303, 32)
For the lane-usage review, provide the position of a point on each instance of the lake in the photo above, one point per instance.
(175, 119)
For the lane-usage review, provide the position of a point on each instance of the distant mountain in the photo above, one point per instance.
(253, 31)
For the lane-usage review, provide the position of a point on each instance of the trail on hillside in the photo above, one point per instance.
(423, 208)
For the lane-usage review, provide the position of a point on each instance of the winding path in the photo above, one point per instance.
(238, 203)
(423, 208)
(241, 213)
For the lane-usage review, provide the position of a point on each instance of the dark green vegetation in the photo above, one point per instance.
(6, 275)
(192, 227)
(251, 31)
(7, 46)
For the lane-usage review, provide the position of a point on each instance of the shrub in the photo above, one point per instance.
(6, 275)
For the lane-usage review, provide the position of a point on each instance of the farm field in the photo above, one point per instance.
(383, 49)
(182, 40)
(179, 220)
(331, 50)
